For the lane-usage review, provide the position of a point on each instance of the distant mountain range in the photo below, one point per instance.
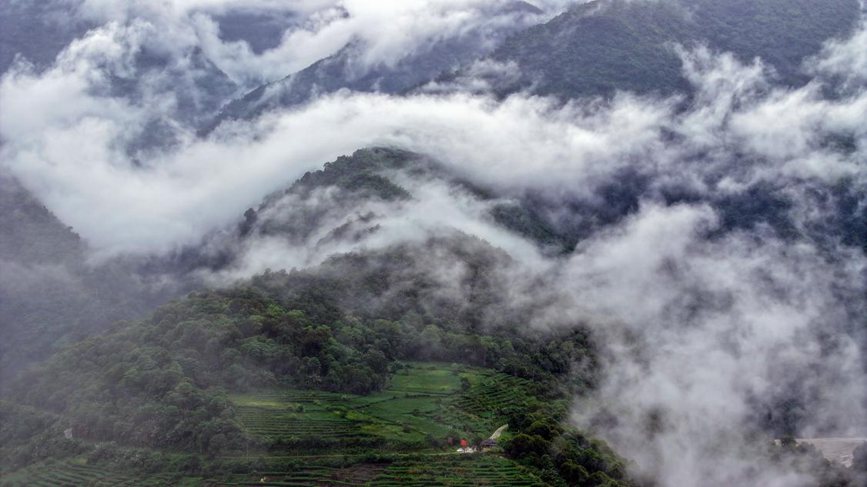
(600, 47)
(594, 48)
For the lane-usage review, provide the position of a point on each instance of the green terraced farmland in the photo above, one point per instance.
(422, 470)
(74, 473)
(292, 416)
(354, 475)
(424, 404)
(422, 401)
(491, 392)
(463, 470)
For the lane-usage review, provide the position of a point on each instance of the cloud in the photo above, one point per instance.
(330, 222)
(844, 59)
(702, 325)
(694, 330)
(388, 30)
(65, 137)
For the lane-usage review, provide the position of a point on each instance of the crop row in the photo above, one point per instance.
(68, 474)
(434, 470)
(494, 393)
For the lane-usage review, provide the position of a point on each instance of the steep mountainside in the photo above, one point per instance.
(38, 31)
(348, 69)
(50, 294)
(607, 45)
(354, 198)
(161, 384)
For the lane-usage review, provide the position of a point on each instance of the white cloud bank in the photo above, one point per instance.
(389, 30)
(65, 137)
(701, 335)
(719, 322)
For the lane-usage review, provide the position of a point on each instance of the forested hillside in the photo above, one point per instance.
(602, 46)
(344, 70)
(163, 383)
(51, 294)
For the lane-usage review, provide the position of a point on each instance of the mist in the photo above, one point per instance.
(704, 324)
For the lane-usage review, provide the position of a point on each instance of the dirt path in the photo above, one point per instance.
(499, 432)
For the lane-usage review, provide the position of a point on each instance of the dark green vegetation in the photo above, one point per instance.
(413, 470)
(50, 295)
(315, 373)
(608, 45)
(421, 407)
(277, 370)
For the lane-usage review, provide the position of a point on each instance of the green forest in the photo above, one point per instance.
(236, 374)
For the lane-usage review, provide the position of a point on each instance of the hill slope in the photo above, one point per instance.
(607, 45)
(347, 68)
(162, 385)
(50, 294)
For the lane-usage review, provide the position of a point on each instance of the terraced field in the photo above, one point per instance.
(311, 475)
(323, 439)
(423, 470)
(73, 473)
(465, 470)
(289, 414)
(491, 392)
(422, 402)
(440, 470)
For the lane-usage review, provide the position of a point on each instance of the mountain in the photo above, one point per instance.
(360, 199)
(354, 200)
(592, 49)
(193, 378)
(347, 68)
(446, 317)
(37, 31)
(261, 30)
(602, 46)
(51, 294)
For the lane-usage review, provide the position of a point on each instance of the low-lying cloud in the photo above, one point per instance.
(703, 338)
(702, 327)
(66, 138)
(389, 30)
